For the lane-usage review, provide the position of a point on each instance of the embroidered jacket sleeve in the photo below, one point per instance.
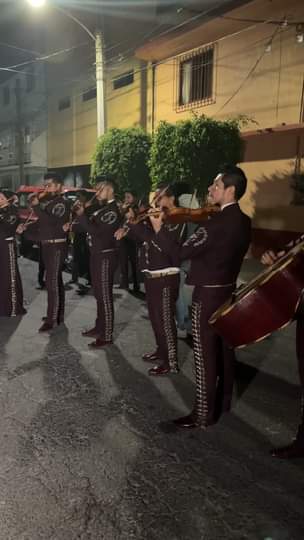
(8, 222)
(105, 220)
(32, 232)
(191, 248)
(53, 210)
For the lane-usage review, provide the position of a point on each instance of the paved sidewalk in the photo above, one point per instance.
(82, 454)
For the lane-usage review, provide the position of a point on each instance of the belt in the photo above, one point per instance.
(55, 241)
(219, 286)
(161, 274)
(108, 250)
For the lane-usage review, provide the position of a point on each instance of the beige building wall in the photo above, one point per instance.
(73, 131)
(124, 105)
(265, 87)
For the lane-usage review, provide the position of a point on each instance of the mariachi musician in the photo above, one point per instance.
(216, 251)
(296, 448)
(128, 247)
(11, 294)
(52, 210)
(101, 219)
(161, 271)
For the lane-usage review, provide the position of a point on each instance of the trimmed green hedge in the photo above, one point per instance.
(193, 150)
(123, 154)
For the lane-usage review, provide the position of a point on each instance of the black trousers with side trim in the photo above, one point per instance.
(161, 295)
(103, 267)
(214, 359)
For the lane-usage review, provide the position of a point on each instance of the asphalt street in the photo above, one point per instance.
(86, 453)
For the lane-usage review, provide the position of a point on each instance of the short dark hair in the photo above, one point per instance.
(170, 193)
(104, 178)
(54, 177)
(180, 188)
(234, 176)
(131, 192)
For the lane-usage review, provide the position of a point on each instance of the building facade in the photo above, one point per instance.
(72, 113)
(23, 128)
(246, 63)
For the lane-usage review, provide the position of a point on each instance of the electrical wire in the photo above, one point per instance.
(249, 74)
(16, 48)
(44, 57)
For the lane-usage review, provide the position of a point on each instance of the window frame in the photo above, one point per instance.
(89, 94)
(122, 77)
(180, 61)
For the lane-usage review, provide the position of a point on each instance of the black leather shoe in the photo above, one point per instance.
(46, 327)
(90, 333)
(291, 451)
(99, 343)
(162, 370)
(189, 422)
(150, 357)
(159, 370)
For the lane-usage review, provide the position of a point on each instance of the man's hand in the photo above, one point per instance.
(20, 229)
(130, 214)
(120, 233)
(34, 201)
(269, 257)
(66, 227)
(79, 210)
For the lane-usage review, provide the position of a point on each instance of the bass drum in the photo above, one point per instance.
(267, 303)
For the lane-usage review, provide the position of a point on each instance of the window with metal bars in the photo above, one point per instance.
(195, 79)
(123, 80)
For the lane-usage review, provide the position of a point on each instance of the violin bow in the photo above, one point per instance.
(159, 196)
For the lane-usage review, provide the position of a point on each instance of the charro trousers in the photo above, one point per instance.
(103, 266)
(53, 256)
(161, 296)
(214, 359)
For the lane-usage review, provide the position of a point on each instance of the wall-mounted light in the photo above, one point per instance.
(299, 33)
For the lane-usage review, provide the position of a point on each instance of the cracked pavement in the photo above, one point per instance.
(84, 453)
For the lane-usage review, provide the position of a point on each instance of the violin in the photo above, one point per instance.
(9, 202)
(43, 196)
(179, 215)
(78, 204)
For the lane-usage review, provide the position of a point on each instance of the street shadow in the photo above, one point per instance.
(170, 465)
(73, 415)
(8, 326)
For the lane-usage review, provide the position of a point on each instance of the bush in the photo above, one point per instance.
(193, 150)
(123, 154)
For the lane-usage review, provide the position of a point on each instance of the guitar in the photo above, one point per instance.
(265, 304)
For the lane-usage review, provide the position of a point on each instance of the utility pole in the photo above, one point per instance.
(19, 133)
(100, 87)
